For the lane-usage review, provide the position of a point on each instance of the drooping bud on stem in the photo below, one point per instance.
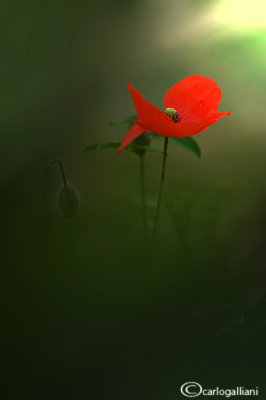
(68, 201)
(68, 196)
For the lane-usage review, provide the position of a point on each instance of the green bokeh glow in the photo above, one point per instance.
(242, 14)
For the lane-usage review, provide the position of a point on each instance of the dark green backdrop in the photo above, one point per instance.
(90, 310)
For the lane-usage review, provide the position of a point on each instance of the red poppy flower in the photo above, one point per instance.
(190, 106)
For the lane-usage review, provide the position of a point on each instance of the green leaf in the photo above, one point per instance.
(102, 145)
(187, 143)
(125, 123)
(115, 145)
(151, 149)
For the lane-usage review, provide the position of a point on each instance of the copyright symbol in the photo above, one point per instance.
(191, 389)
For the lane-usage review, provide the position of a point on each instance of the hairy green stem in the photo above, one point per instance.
(143, 194)
(160, 194)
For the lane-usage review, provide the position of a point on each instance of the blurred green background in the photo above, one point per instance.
(89, 308)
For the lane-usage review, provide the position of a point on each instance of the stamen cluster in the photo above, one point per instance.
(172, 113)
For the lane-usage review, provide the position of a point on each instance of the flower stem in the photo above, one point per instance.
(159, 200)
(143, 194)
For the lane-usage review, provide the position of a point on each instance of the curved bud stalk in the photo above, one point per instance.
(68, 198)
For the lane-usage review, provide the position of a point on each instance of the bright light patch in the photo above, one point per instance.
(241, 13)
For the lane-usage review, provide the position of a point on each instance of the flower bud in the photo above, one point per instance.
(142, 140)
(68, 201)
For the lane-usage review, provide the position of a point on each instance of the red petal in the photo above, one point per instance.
(195, 98)
(131, 135)
(181, 129)
(145, 110)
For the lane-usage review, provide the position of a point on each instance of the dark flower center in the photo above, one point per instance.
(172, 113)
